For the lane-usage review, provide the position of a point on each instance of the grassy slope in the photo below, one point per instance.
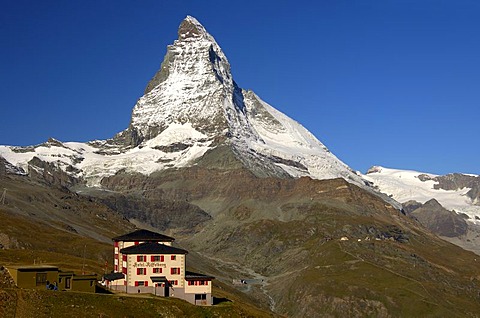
(288, 232)
(34, 230)
(42, 303)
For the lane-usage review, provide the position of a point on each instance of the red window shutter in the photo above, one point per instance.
(116, 268)
(162, 258)
(171, 270)
(115, 244)
(178, 271)
(136, 283)
(152, 258)
(172, 257)
(138, 271)
(138, 258)
(146, 283)
(124, 257)
(160, 270)
(206, 282)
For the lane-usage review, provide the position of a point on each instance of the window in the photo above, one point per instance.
(67, 282)
(173, 257)
(157, 270)
(41, 279)
(190, 282)
(141, 258)
(124, 257)
(175, 271)
(200, 296)
(141, 271)
(157, 258)
(124, 270)
(202, 282)
(174, 282)
(139, 283)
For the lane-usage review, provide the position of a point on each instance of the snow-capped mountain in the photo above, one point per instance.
(457, 192)
(191, 105)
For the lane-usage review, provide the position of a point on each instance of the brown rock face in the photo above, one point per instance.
(3, 170)
(53, 175)
(439, 220)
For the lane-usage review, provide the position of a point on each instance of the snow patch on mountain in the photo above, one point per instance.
(405, 185)
(95, 165)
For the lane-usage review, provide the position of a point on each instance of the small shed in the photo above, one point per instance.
(33, 276)
(50, 277)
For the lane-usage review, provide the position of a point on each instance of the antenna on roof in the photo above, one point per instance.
(2, 199)
(83, 266)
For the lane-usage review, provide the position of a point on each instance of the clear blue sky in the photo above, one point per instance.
(384, 82)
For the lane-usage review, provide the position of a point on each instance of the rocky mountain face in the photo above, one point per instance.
(457, 181)
(192, 105)
(447, 205)
(437, 219)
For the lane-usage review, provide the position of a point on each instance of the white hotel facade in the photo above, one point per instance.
(146, 262)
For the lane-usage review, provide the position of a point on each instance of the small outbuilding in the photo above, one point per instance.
(33, 276)
(50, 277)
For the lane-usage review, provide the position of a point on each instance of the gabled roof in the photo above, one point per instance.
(152, 248)
(196, 276)
(144, 235)
(114, 276)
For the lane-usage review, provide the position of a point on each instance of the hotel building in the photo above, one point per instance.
(146, 262)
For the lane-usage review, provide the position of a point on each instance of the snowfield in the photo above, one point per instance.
(405, 185)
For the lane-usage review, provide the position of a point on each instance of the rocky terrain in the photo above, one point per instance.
(447, 205)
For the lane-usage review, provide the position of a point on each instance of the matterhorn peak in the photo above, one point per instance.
(192, 110)
(191, 87)
(191, 28)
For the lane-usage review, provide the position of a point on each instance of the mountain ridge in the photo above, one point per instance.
(190, 106)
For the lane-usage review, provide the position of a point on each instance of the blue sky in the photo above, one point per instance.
(391, 83)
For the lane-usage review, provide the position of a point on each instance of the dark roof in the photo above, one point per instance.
(34, 268)
(113, 276)
(144, 235)
(196, 276)
(158, 279)
(152, 248)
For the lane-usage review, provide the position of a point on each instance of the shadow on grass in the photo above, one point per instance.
(222, 300)
(101, 290)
